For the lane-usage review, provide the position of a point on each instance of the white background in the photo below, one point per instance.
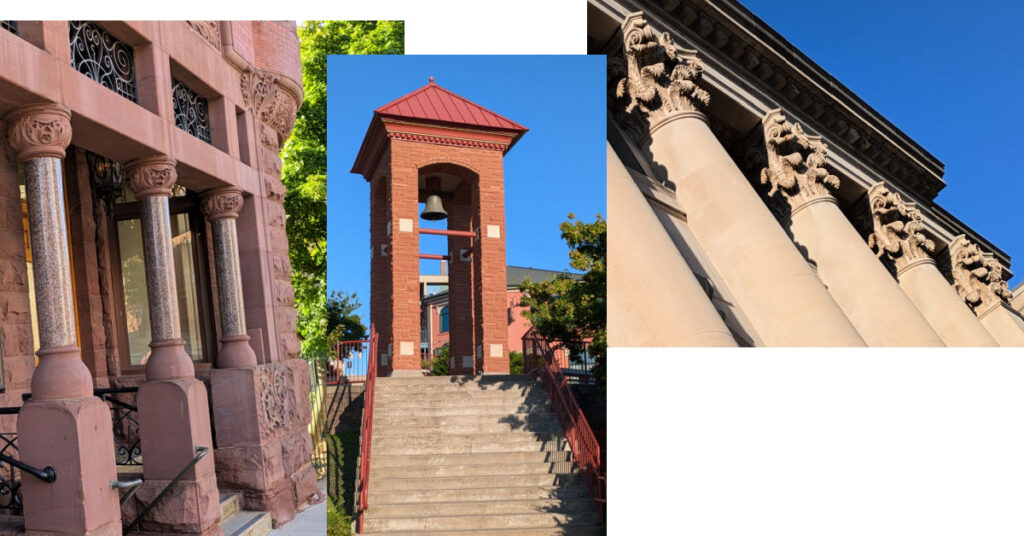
(741, 442)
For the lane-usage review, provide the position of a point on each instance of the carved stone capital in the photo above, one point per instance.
(897, 229)
(39, 131)
(221, 203)
(152, 176)
(660, 79)
(273, 105)
(796, 163)
(977, 276)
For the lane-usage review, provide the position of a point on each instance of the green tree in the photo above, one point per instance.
(342, 322)
(439, 364)
(567, 311)
(304, 170)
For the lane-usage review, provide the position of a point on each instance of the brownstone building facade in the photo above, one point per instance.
(144, 237)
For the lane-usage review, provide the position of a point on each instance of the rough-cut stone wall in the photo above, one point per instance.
(15, 315)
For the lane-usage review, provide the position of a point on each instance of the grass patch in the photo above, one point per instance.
(342, 465)
(338, 523)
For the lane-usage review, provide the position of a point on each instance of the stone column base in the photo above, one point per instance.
(192, 507)
(73, 435)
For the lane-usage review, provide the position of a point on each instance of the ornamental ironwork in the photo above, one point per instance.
(100, 56)
(191, 111)
(124, 414)
(10, 480)
(106, 176)
(10, 26)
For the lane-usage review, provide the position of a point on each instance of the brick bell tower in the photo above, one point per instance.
(435, 147)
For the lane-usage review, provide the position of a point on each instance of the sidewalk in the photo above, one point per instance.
(312, 521)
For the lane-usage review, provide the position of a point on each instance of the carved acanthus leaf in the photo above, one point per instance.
(269, 102)
(660, 79)
(898, 229)
(208, 30)
(796, 162)
(977, 277)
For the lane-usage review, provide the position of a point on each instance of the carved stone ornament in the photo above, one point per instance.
(39, 131)
(271, 104)
(208, 30)
(977, 277)
(897, 229)
(660, 79)
(221, 203)
(796, 163)
(148, 177)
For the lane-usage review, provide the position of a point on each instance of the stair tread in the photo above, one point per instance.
(247, 523)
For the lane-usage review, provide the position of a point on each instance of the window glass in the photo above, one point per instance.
(444, 319)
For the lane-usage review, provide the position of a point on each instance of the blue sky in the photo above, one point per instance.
(558, 167)
(948, 74)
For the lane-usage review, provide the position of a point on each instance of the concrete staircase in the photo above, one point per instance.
(460, 455)
(237, 522)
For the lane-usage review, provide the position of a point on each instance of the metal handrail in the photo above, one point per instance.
(46, 474)
(585, 447)
(200, 452)
(366, 433)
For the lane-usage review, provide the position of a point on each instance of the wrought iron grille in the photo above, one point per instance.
(10, 26)
(100, 56)
(10, 481)
(191, 111)
(125, 419)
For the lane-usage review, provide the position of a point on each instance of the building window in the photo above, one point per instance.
(444, 319)
(10, 26)
(190, 268)
(191, 111)
(100, 56)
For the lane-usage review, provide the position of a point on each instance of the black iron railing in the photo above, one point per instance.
(125, 419)
(200, 452)
(11, 469)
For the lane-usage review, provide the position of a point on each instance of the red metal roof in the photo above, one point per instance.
(435, 103)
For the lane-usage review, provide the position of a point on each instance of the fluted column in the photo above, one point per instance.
(659, 103)
(653, 297)
(174, 411)
(978, 279)
(63, 425)
(860, 284)
(221, 208)
(898, 238)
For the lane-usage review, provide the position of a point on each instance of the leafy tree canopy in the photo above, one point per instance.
(570, 312)
(342, 322)
(304, 170)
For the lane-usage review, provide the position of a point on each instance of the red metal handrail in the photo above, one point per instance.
(447, 232)
(366, 433)
(349, 364)
(435, 257)
(540, 358)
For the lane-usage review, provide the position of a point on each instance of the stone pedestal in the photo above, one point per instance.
(654, 299)
(63, 426)
(263, 444)
(940, 305)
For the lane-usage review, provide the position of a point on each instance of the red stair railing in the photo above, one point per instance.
(366, 433)
(538, 357)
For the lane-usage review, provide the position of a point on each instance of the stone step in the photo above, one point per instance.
(478, 469)
(556, 531)
(432, 388)
(439, 421)
(550, 427)
(433, 509)
(478, 522)
(501, 400)
(460, 395)
(246, 523)
(472, 448)
(457, 409)
(573, 491)
(481, 380)
(381, 460)
(482, 481)
(514, 436)
(229, 505)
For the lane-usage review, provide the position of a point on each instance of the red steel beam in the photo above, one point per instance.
(435, 257)
(446, 232)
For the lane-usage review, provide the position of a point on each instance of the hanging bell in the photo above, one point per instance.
(433, 210)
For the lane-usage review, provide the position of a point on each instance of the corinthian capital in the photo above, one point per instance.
(977, 277)
(796, 163)
(897, 229)
(660, 78)
(39, 131)
(221, 203)
(262, 92)
(148, 177)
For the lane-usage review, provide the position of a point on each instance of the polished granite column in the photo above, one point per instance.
(897, 236)
(221, 208)
(174, 412)
(62, 426)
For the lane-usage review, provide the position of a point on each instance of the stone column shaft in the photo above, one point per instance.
(653, 297)
(221, 207)
(1005, 325)
(63, 426)
(940, 305)
(174, 411)
(978, 279)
